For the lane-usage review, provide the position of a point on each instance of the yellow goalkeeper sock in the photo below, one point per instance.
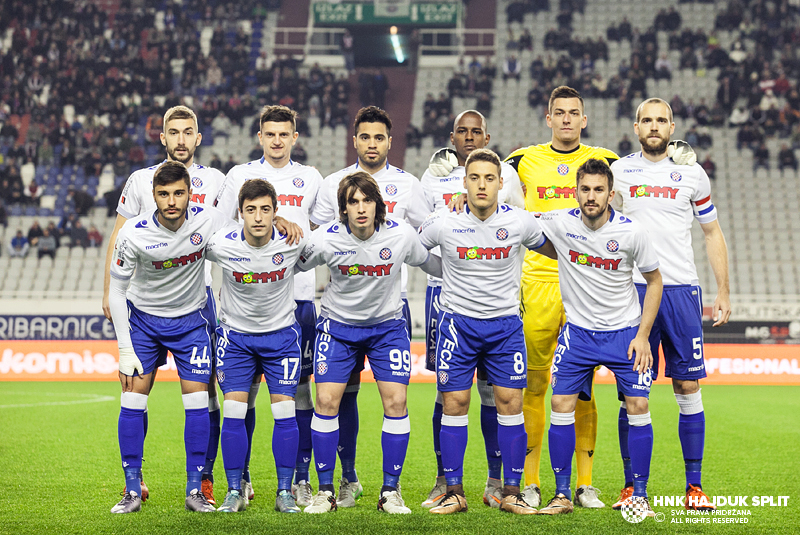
(534, 411)
(585, 438)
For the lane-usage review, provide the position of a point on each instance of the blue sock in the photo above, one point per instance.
(561, 439)
(454, 436)
(640, 445)
(437, 445)
(514, 444)
(303, 459)
(348, 435)
(622, 426)
(394, 443)
(213, 441)
(131, 444)
(195, 437)
(489, 430)
(234, 442)
(145, 437)
(692, 432)
(325, 437)
(284, 442)
(249, 426)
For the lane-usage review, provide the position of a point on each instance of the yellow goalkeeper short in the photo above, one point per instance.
(542, 319)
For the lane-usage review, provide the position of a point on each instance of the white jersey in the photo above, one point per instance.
(439, 190)
(665, 197)
(137, 196)
(595, 267)
(297, 186)
(401, 192)
(258, 285)
(365, 275)
(166, 267)
(481, 265)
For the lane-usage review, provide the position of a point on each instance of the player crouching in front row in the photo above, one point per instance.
(362, 313)
(257, 334)
(597, 248)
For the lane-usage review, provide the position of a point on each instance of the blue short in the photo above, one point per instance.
(240, 356)
(210, 312)
(464, 344)
(340, 348)
(431, 321)
(679, 330)
(406, 317)
(186, 337)
(580, 351)
(306, 316)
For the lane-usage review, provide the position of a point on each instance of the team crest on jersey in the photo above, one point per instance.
(220, 376)
(612, 246)
(391, 189)
(196, 238)
(675, 176)
(277, 259)
(443, 378)
(298, 182)
(563, 169)
(322, 368)
(197, 182)
(553, 382)
(386, 253)
(502, 234)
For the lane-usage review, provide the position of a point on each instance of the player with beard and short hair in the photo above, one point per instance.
(443, 180)
(157, 301)
(597, 248)
(404, 199)
(665, 198)
(362, 313)
(180, 138)
(297, 187)
(258, 333)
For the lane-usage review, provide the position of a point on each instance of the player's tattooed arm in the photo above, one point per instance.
(313, 225)
(292, 231)
(640, 346)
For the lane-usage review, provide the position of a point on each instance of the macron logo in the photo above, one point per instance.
(398, 466)
(321, 465)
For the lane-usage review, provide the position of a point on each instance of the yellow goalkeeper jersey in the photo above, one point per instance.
(549, 176)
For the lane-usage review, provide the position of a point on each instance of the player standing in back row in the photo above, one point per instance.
(403, 197)
(297, 187)
(665, 198)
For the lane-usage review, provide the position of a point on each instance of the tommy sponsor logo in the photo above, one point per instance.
(179, 261)
(369, 271)
(156, 246)
(290, 200)
(199, 198)
(483, 253)
(584, 259)
(255, 278)
(390, 206)
(555, 192)
(576, 236)
(447, 197)
(653, 191)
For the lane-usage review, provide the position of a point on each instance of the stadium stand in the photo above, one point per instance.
(730, 69)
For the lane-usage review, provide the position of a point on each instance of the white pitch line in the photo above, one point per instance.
(93, 398)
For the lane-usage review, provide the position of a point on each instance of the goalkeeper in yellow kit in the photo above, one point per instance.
(547, 172)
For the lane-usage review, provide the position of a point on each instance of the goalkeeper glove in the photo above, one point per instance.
(128, 361)
(442, 162)
(681, 152)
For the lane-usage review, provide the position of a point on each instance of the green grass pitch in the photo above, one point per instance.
(60, 467)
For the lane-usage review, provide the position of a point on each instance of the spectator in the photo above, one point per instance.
(414, 42)
(511, 68)
(216, 163)
(33, 192)
(380, 85)
(47, 245)
(625, 146)
(18, 246)
(348, 51)
(221, 125)
(299, 153)
(663, 68)
(709, 167)
(228, 165)
(761, 157)
(3, 215)
(95, 238)
(78, 235)
(413, 137)
(54, 232)
(526, 40)
(786, 158)
(34, 233)
(83, 201)
(112, 199)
